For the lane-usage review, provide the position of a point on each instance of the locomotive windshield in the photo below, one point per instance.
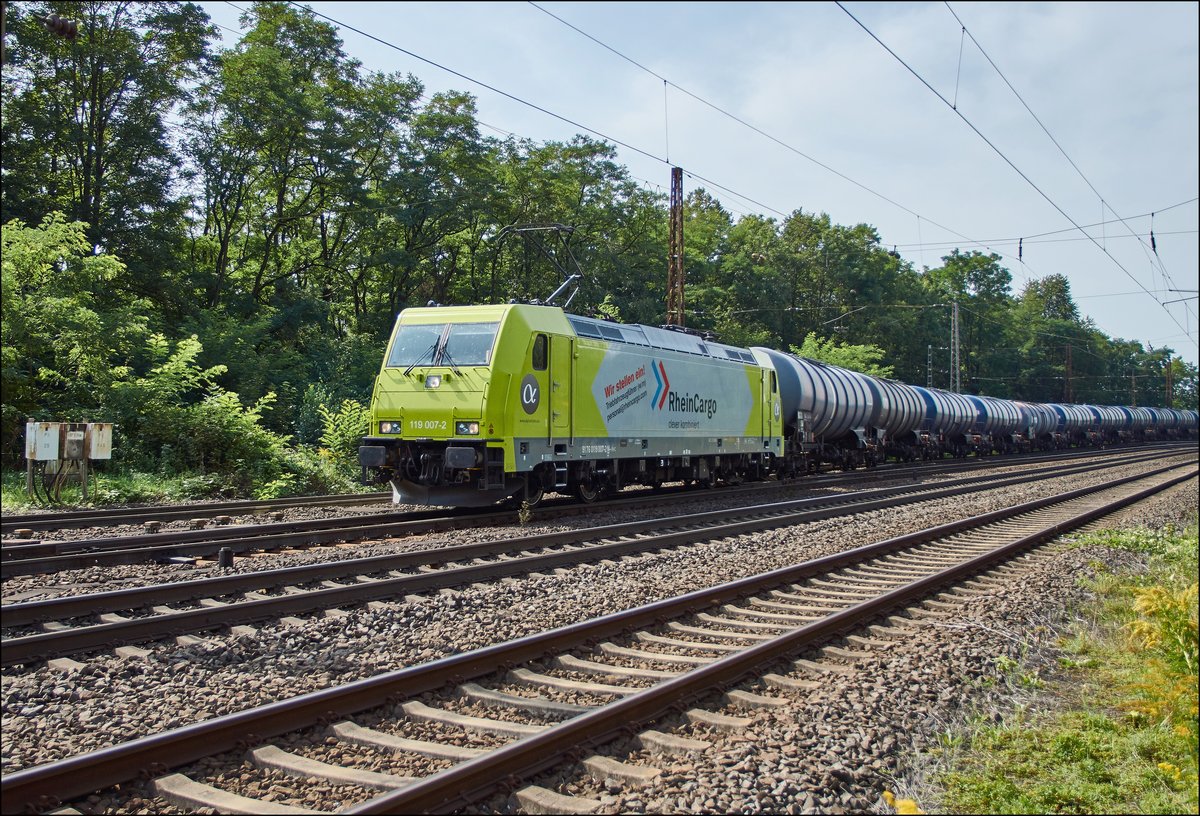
(451, 344)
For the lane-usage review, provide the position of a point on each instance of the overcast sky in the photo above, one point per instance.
(830, 121)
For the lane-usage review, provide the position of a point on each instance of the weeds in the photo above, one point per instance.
(1124, 739)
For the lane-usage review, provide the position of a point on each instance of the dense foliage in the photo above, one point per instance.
(267, 210)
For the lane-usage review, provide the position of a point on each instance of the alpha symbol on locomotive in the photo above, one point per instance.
(530, 393)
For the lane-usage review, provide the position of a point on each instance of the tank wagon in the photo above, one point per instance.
(477, 404)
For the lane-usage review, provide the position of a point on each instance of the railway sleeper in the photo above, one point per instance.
(269, 757)
(896, 632)
(671, 744)
(646, 637)
(614, 650)
(840, 653)
(942, 605)
(606, 770)
(794, 620)
(715, 633)
(731, 623)
(901, 622)
(718, 722)
(848, 585)
(797, 606)
(63, 665)
(420, 712)
(529, 678)
(590, 667)
(357, 735)
(749, 700)
(928, 614)
(778, 681)
(187, 793)
(870, 643)
(532, 705)
(538, 800)
(805, 665)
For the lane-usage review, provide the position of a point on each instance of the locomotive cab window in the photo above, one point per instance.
(539, 352)
(443, 344)
(774, 385)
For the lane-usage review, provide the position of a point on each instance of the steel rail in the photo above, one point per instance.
(48, 785)
(686, 530)
(473, 779)
(116, 515)
(241, 539)
(136, 515)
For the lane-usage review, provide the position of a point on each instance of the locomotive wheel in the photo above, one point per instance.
(534, 493)
(587, 493)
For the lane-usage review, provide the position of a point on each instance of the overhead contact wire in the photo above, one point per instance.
(1007, 161)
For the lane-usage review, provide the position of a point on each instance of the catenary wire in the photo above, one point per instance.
(1007, 160)
(1161, 265)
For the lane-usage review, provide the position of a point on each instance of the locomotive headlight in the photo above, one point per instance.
(466, 428)
(433, 380)
(389, 427)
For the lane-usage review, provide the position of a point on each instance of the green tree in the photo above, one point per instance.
(66, 336)
(980, 286)
(86, 126)
(865, 358)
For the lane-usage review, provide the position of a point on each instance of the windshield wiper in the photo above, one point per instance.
(432, 350)
(445, 354)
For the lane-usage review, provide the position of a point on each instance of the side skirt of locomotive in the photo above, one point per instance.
(473, 474)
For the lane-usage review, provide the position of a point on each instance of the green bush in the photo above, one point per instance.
(341, 431)
(178, 420)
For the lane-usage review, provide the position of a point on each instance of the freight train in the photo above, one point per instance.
(479, 404)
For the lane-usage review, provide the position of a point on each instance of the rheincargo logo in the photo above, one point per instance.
(660, 376)
(676, 402)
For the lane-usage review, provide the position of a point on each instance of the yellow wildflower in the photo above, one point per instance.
(905, 806)
(1171, 770)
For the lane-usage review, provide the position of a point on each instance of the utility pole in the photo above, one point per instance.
(955, 358)
(1068, 394)
(1169, 389)
(675, 250)
(929, 367)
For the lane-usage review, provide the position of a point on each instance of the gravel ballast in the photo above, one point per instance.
(833, 750)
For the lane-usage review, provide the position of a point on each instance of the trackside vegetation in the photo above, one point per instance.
(1117, 733)
(209, 245)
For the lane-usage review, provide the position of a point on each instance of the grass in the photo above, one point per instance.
(135, 488)
(1122, 733)
(109, 489)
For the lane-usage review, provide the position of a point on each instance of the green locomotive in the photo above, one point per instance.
(477, 404)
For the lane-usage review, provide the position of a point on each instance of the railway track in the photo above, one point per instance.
(46, 629)
(100, 517)
(30, 523)
(39, 557)
(455, 731)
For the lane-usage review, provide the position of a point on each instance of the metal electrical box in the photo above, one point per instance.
(50, 441)
(72, 445)
(99, 440)
(59, 453)
(41, 441)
